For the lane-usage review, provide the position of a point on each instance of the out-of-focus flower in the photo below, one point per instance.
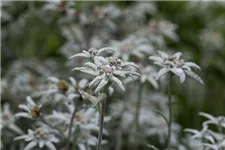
(62, 89)
(211, 40)
(200, 7)
(219, 121)
(148, 74)
(132, 46)
(8, 120)
(85, 123)
(40, 137)
(32, 110)
(108, 12)
(163, 27)
(176, 65)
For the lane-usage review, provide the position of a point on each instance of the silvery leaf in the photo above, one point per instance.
(78, 55)
(143, 78)
(159, 64)
(186, 67)
(124, 64)
(72, 80)
(91, 65)
(53, 79)
(208, 116)
(120, 73)
(103, 82)
(95, 80)
(50, 145)
(177, 55)
(153, 82)
(214, 147)
(161, 73)
(86, 70)
(100, 61)
(109, 49)
(162, 54)
(156, 58)
(31, 145)
(194, 76)
(210, 138)
(118, 82)
(179, 72)
(132, 73)
(191, 64)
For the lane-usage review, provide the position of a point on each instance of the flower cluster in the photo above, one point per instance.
(40, 137)
(210, 139)
(106, 70)
(176, 65)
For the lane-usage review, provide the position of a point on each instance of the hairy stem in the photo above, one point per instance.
(71, 123)
(102, 114)
(119, 135)
(136, 117)
(170, 111)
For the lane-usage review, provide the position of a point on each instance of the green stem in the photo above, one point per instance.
(170, 111)
(137, 116)
(102, 114)
(71, 124)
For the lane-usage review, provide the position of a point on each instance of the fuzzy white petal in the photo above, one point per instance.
(78, 55)
(31, 145)
(103, 82)
(50, 146)
(118, 82)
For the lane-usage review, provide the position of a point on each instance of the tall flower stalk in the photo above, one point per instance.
(174, 65)
(137, 116)
(71, 123)
(106, 71)
(170, 110)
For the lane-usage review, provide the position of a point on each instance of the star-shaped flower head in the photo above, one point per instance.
(107, 70)
(32, 109)
(40, 137)
(176, 65)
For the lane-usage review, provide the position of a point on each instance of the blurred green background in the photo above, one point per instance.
(25, 35)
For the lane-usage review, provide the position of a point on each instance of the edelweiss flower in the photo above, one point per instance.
(62, 86)
(8, 120)
(32, 109)
(107, 70)
(40, 137)
(175, 65)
